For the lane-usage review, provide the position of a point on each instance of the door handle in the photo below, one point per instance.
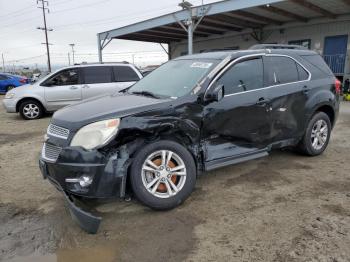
(73, 87)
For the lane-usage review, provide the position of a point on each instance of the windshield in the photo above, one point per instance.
(175, 78)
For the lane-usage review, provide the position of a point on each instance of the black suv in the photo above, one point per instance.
(193, 114)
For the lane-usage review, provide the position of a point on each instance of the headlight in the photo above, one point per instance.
(96, 134)
(9, 95)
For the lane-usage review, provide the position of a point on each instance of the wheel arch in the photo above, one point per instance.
(328, 110)
(140, 138)
(29, 99)
(322, 101)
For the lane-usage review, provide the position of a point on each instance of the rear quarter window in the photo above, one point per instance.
(318, 62)
(125, 74)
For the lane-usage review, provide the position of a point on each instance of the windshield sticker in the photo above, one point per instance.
(201, 65)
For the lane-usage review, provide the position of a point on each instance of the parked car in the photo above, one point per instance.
(193, 114)
(68, 86)
(8, 82)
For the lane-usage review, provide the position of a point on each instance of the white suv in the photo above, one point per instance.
(69, 85)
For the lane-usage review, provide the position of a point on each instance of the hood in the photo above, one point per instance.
(104, 107)
(23, 89)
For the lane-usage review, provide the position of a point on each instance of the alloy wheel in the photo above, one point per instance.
(31, 111)
(163, 174)
(319, 134)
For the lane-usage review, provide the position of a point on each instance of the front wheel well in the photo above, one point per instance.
(28, 99)
(329, 111)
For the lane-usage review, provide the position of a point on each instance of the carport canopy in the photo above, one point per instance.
(222, 17)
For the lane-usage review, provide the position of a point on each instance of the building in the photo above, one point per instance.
(320, 25)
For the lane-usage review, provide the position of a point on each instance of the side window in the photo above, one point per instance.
(124, 74)
(303, 75)
(97, 74)
(2, 77)
(63, 78)
(244, 76)
(280, 70)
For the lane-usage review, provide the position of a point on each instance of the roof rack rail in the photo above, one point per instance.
(277, 46)
(98, 63)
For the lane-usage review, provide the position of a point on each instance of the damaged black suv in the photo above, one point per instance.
(193, 114)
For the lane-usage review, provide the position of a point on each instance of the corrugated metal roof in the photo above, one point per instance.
(228, 16)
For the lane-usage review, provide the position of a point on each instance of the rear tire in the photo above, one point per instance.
(9, 88)
(163, 175)
(317, 135)
(31, 110)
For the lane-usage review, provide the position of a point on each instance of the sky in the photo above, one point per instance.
(78, 22)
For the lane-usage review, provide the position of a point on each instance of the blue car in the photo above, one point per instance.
(7, 82)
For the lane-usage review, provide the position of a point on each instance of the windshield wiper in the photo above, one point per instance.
(145, 93)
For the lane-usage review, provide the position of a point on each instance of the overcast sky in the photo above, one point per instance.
(78, 22)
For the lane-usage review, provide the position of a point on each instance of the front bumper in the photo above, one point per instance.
(107, 173)
(10, 105)
(108, 179)
(86, 220)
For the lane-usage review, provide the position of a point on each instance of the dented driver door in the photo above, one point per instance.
(240, 123)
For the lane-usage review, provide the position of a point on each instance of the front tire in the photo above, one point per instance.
(317, 135)
(163, 175)
(31, 110)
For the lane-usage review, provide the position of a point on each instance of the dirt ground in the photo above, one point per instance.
(284, 207)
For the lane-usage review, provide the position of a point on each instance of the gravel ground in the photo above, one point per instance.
(284, 207)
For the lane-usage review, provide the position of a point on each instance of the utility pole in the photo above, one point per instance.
(72, 45)
(3, 62)
(68, 58)
(43, 3)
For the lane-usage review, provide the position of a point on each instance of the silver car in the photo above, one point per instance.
(68, 86)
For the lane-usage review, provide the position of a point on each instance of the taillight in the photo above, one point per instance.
(337, 85)
(23, 80)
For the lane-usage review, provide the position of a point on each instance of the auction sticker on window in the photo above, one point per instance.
(201, 65)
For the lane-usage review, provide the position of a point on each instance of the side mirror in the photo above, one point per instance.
(215, 94)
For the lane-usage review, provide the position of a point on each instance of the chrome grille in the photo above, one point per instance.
(50, 152)
(58, 131)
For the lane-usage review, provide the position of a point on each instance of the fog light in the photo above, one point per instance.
(83, 181)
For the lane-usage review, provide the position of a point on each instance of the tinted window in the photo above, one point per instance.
(97, 74)
(280, 70)
(303, 75)
(2, 77)
(318, 62)
(63, 78)
(244, 76)
(125, 74)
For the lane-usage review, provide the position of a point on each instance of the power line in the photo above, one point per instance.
(22, 10)
(81, 6)
(127, 17)
(27, 58)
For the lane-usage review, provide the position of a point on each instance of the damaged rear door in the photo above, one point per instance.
(239, 125)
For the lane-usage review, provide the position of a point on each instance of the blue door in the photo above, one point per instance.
(335, 48)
